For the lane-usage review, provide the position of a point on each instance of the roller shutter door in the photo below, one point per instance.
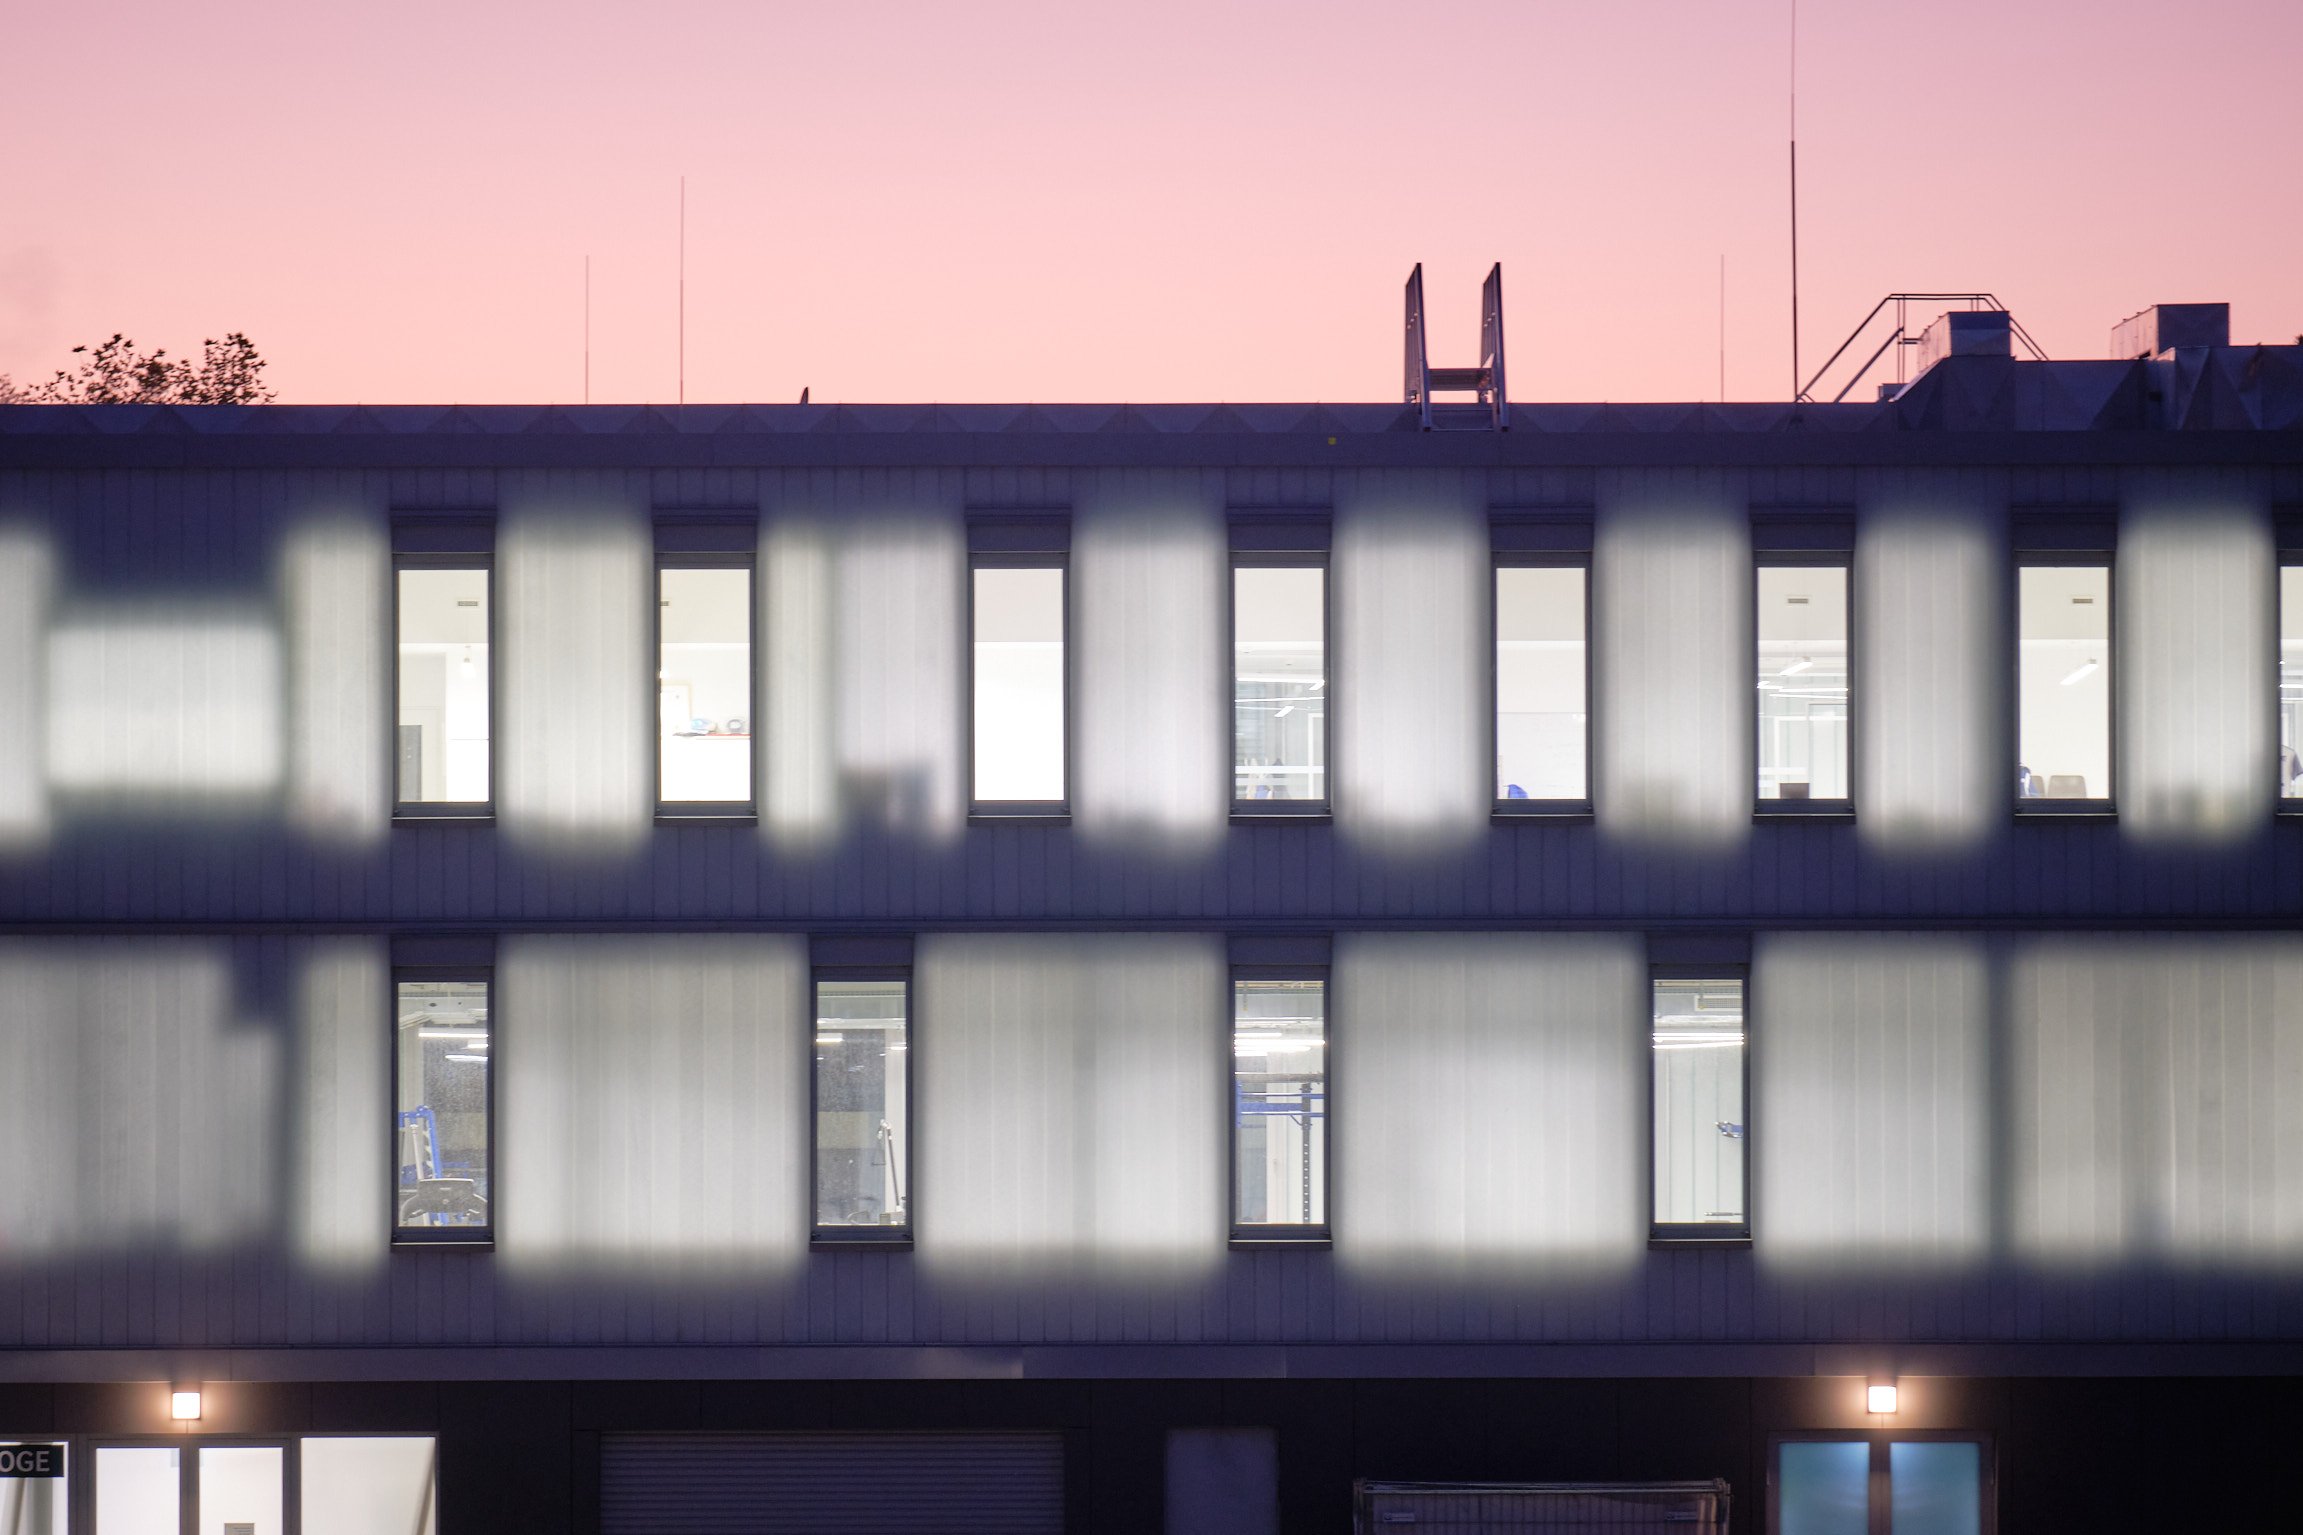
(831, 1484)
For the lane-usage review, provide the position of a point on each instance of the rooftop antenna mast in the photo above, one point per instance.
(684, 291)
(1795, 390)
(587, 329)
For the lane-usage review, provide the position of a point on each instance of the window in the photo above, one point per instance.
(1279, 1109)
(704, 693)
(1542, 687)
(1880, 1484)
(1699, 1120)
(1802, 687)
(2063, 732)
(1279, 688)
(862, 1090)
(445, 686)
(1018, 677)
(443, 1099)
(2291, 686)
(34, 1487)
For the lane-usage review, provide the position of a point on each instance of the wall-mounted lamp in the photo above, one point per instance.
(184, 1404)
(1880, 1396)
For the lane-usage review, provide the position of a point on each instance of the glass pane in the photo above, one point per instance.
(1540, 706)
(1937, 1488)
(704, 685)
(367, 1487)
(1279, 1103)
(1823, 1488)
(863, 1082)
(442, 1056)
(33, 1477)
(240, 1490)
(2065, 735)
(137, 1490)
(1699, 1126)
(1279, 683)
(442, 749)
(1802, 682)
(1019, 703)
(2291, 681)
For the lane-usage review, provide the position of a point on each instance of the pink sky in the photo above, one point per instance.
(1091, 201)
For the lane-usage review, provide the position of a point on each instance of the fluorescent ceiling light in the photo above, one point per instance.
(1796, 667)
(470, 1060)
(2082, 670)
(468, 1036)
(831, 1039)
(1284, 712)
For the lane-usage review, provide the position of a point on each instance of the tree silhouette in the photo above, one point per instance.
(229, 372)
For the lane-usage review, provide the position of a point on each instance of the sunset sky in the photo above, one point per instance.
(1089, 201)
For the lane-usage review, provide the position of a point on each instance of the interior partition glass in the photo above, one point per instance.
(1279, 1108)
(441, 745)
(35, 1496)
(1017, 656)
(2063, 626)
(1279, 686)
(2291, 682)
(1935, 1487)
(1542, 684)
(367, 1486)
(443, 1101)
(862, 1089)
(1802, 684)
(1700, 1126)
(1823, 1487)
(704, 709)
(140, 1489)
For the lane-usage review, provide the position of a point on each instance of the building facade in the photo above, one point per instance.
(1135, 965)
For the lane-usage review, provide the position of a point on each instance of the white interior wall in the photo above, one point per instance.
(1410, 570)
(1018, 679)
(651, 1098)
(1071, 1098)
(1489, 1098)
(2196, 746)
(1542, 713)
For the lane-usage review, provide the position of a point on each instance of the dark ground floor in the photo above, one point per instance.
(1119, 1455)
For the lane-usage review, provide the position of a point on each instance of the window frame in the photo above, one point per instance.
(1880, 1505)
(1500, 560)
(445, 810)
(703, 810)
(1701, 1234)
(442, 1236)
(1271, 1235)
(1842, 809)
(1268, 810)
(883, 1238)
(1058, 810)
(2083, 555)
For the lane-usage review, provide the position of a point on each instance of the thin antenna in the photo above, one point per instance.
(1723, 327)
(684, 291)
(1795, 384)
(587, 329)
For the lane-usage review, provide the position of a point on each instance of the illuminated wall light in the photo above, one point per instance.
(184, 1404)
(1880, 1397)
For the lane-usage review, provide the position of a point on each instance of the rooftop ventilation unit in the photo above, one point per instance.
(2164, 327)
(1488, 410)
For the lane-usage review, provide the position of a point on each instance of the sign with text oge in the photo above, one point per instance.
(31, 1461)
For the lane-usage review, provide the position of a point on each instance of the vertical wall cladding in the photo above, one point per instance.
(335, 581)
(1871, 1101)
(1671, 620)
(1148, 595)
(27, 580)
(1410, 597)
(653, 1102)
(2197, 657)
(340, 1111)
(573, 730)
(1932, 675)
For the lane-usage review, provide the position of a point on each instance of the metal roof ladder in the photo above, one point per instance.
(1489, 409)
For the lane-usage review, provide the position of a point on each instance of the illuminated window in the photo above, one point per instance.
(443, 1099)
(1279, 688)
(2064, 640)
(1017, 672)
(1542, 686)
(862, 1091)
(1279, 1108)
(1699, 1120)
(2291, 683)
(705, 704)
(1802, 686)
(1853, 1484)
(445, 685)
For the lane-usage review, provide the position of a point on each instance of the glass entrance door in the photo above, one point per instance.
(192, 1489)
